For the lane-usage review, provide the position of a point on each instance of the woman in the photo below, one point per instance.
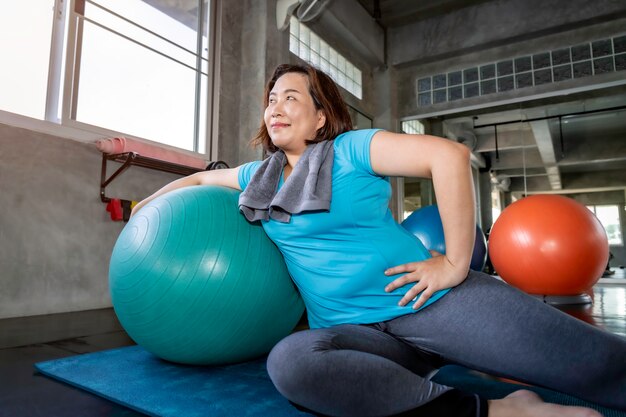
(384, 313)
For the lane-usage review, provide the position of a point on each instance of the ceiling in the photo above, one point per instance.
(390, 13)
(572, 143)
(584, 150)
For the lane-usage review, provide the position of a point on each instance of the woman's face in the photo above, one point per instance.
(291, 117)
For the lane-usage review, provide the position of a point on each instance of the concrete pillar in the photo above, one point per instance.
(385, 117)
(486, 217)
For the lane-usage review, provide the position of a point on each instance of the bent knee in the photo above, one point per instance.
(291, 363)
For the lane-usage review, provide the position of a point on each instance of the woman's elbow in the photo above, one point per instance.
(460, 153)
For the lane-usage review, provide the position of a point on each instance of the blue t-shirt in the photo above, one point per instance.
(337, 259)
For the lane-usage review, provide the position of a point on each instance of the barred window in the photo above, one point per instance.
(308, 46)
(136, 68)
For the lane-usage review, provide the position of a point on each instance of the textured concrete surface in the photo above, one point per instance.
(56, 237)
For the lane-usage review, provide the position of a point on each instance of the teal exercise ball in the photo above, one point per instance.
(193, 282)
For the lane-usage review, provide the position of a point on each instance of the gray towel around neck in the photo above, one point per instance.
(308, 188)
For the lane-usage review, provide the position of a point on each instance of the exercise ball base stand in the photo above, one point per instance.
(564, 299)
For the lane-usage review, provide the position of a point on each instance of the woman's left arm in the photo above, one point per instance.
(448, 164)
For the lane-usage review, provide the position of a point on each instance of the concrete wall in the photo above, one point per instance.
(409, 73)
(240, 80)
(492, 24)
(55, 235)
(502, 29)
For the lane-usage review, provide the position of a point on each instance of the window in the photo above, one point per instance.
(24, 82)
(137, 67)
(414, 127)
(545, 67)
(311, 48)
(609, 217)
(417, 191)
(496, 204)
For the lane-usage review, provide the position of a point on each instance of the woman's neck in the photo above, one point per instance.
(292, 160)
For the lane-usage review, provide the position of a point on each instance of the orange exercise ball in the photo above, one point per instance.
(549, 245)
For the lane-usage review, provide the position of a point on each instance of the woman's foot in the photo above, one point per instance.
(524, 403)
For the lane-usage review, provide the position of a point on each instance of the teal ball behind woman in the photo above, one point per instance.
(193, 282)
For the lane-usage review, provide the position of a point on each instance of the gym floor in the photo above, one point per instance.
(24, 393)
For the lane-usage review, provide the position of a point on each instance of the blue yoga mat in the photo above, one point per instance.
(135, 378)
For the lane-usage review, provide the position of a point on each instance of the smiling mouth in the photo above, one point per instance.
(279, 125)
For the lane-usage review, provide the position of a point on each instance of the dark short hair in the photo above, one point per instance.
(326, 97)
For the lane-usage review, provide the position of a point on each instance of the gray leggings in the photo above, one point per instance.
(384, 368)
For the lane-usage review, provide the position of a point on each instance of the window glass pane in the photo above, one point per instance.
(138, 70)
(24, 69)
(324, 49)
(417, 194)
(128, 88)
(294, 27)
(357, 75)
(315, 43)
(304, 34)
(496, 205)
(359, 91)
(341, 79)
(325, 66)
(413, 127)
(609, 217)
(333, 57)
(307, 45)
(152, 16)
(304, 51)
(332, 72)
(293, 44)
(184, 39)
(341, 64)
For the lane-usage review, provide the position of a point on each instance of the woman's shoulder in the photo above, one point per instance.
(354, 140)
(250, 167)
(354, 146)
(356, 135)
(246, 171)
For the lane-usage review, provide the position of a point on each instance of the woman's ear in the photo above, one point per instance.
(321, 119)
